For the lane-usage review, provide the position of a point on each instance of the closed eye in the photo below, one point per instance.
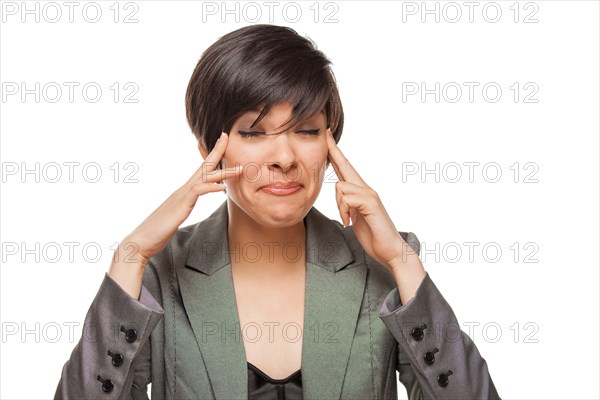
(246, 134)
(310, 131)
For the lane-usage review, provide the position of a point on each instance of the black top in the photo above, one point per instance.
(262, 387)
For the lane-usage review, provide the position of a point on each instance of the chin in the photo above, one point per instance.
(280, 212)
(281, 215)
(271, 210)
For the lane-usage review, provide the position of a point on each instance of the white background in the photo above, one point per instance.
(541, 317)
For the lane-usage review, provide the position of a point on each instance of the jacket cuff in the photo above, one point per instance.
(444, 358)
(123, 325)
(116, 326)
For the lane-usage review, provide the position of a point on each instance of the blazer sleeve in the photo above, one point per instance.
(436, 359)
(112, 358)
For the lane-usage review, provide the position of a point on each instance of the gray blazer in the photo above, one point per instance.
(184, 334)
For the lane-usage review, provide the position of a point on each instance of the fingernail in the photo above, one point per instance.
(221, 137)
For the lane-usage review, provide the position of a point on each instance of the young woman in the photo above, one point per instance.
(267, 298)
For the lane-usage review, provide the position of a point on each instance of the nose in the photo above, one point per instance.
(283, 154)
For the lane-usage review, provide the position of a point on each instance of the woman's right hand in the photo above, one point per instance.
(156, 231)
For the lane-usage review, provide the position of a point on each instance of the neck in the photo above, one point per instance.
(255, 245)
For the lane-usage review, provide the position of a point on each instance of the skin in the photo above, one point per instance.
(271, 287)
(259, 217)
(273, 281)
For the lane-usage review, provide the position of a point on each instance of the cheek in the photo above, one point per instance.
(322, 152)
(252, 162)
(316, 162)
(235, 155)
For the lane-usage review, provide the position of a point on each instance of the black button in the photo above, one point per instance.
(117, 360)
(107, 386)
(430, 356)
(443, 378)
(417, 333)
(131, 335)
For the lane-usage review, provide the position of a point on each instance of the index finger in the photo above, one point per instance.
(214, 157)
(343, 169)
(218, 150)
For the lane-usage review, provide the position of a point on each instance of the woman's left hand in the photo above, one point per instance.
(371, 223)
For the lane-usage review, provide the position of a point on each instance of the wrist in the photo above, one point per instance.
(127, 267)
(405, 256)
(408, 272)
(127, 254)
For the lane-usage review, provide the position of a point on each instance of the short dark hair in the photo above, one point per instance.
(253, 68)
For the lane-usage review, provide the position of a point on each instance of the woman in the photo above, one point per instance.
(267, 298)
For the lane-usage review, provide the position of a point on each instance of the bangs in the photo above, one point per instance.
(298, 78)
(306, 100)
(253, 69)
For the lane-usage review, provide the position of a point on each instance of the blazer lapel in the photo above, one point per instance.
(335, 283)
